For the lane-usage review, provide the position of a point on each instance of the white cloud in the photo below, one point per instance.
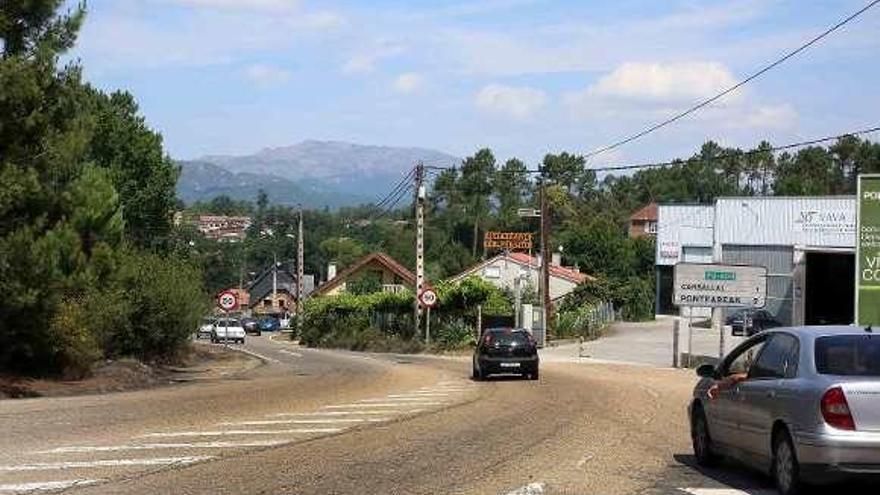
(252, 5)
(771, 117)
(364, 61)
(519, 103)
(682, 81)
(408, 82)
(265, 76)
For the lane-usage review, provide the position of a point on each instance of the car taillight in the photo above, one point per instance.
(487, 339)
(835, 409)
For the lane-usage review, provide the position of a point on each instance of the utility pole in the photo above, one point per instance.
(300, 304)
(420, 244)
(545, 261)
(274, 280)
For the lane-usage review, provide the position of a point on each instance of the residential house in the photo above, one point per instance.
(644, 221)
(274, 291)
(389, 274)
(223, 227)
(504, 269)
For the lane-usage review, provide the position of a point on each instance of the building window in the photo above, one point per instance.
(651, 228)
(492, 272)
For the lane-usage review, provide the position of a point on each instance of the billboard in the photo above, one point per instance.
(709, 285)
(868, 252)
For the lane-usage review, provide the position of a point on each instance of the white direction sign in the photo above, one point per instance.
(428, 297)
(227, 301)
(705, 285)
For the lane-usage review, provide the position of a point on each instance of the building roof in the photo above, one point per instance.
(565, 273)
(285, 282)
(374, 259)
(647, 213)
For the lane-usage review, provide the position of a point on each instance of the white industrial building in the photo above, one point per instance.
(807, 245)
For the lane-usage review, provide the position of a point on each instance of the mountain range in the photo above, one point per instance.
(315, 174)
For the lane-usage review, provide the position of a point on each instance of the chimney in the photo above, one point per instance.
(331, 271)
(556, 259)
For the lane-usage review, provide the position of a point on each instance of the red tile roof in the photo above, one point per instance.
(565, 272)
(380, 259)
(646, 213)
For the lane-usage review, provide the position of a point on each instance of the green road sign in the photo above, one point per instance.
(868, 252)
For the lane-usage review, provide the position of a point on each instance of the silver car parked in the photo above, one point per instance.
(801, 404)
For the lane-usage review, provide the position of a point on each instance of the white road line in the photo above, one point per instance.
(156, 461)
(42, 486)
(328, 413)
(727, 491)
(258, 355)
(530, 489)
(221, 433)
(292, 353)
(151, 446)
(376, 404)
(402, 400)
(417, 394)
(302, 421)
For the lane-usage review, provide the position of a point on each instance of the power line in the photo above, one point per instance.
(733, 88)
(403, 182)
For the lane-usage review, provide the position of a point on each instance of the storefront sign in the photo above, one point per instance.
(706, 285)
(868, 252)
(508, 240)
(825, 221)
(669, 250)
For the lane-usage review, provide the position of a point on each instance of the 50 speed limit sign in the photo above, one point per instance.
(428, 297)
(227, 300)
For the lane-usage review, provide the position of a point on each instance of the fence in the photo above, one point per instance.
(586, 322)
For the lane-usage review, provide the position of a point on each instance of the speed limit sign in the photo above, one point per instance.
(428, 297)
(227, 300)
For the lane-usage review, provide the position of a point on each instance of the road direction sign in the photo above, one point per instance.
(868, 251)
(227, 300)
(704, 285)
(428, 297)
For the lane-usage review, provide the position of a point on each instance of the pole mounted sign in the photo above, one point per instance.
(868, 251)
(704, 285)
(227, 300)
(428, 297)
(508, 240)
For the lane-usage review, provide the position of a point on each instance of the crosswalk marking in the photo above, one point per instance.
(220, 433)
(48, 466)
(330, 413)
(727, 491)
(152, 446)
(45, 485)
(401, 400)
(417, 394)
(302, 421)
(377, 404)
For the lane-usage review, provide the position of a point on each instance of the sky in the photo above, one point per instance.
(522, 77)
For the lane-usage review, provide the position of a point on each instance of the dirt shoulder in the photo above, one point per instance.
(204, 362)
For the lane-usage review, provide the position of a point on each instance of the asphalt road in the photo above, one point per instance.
(327, 422)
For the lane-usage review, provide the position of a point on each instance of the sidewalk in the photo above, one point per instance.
(645, 343)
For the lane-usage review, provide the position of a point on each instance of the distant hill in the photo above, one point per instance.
(201, 180)
(334, 166)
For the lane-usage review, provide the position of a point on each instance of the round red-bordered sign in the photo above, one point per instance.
(428, 297)
(227, 300)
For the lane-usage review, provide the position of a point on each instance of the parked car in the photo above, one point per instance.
(801, 404)
(269, 324)
(228, 330)
(206, 328)
(505, 350)
(250, 325)
(751, 321)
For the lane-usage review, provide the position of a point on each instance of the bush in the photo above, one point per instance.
(632, 296)
(452, 334)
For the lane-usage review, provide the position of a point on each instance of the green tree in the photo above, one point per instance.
(476, 190)
(512, 187)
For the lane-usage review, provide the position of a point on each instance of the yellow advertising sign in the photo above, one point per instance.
(511, 241)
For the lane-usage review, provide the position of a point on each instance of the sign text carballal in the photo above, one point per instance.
(705, 285)
(508, 240)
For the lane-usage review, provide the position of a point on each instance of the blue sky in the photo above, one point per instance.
(523, 77)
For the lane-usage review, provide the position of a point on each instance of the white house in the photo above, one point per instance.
(503, 270)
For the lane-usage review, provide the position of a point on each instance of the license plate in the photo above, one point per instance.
(510, 365)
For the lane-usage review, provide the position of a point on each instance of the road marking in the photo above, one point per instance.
(417, 395)
(402, 400)
(377, 404)
(530, 489)
(292, 353)
(45, 466)
(302, 421)
(584, 460)
(220, 433)
(331, 413)
(150, 446)
(46, 485)
(258, 355)
(727, 491)
(443, 389)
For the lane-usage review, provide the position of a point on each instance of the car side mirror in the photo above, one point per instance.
(706, 371)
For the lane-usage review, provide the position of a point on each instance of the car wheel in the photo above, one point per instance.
(702, 440)
(786, 470)
(534, 375)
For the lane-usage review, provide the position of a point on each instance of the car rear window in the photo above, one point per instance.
(848, 355)
(508, 338)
